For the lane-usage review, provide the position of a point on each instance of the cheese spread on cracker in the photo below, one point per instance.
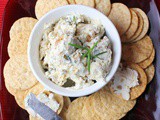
(48, 100)
(123, 81)
(75, 50)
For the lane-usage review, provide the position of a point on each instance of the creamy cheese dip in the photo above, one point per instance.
(48, 100)
(123, 81)
(63, 64)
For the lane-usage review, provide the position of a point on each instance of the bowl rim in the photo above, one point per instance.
(69, 92)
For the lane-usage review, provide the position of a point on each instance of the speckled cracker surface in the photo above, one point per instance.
(144, 64)
(109, 106)
(18, 73)
(63, 113)
(132, 29)
(140, 26)
(145, 25)
(88, 111)
(44, 6)
(121, 17)
(150, 71)
(19, 97)
(19, 36)
(11, 90)
(103, 6)
(90, 3)
(139, 51)
(142, 79)
(74, 111)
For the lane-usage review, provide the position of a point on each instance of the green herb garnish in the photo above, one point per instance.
(89, 62)
(95, 56)
(74, 19)
(78, 46)
(88, 53)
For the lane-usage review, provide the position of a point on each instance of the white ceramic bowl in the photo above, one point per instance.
(52, 16)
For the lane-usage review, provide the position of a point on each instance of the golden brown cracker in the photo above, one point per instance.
(19, 97)
(18, 74)
(150, 71)
(140, 26)
(11, 90)
(132, 29)
(145, 25)
(109, 106)
(138, 51)
(90, 3)
(75, 109)
(63, 113)
(19, 36)
(144, 64)
(88, 112)
(121, 17)
(38, 88)
(142, 79)
(103, 6)
(44, 6)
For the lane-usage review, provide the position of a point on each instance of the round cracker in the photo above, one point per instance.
(121, 17)
(88, 112)
(71, 1)
(18, 74)
(144, 64)
(103, 6)
(138, 90)
(90, 3)
(145, 25)
(139, 51)
(63, 113)
(150, 71)
(19, 36)
(19, 97)
(132, 29)
(11, 90)
(140, 26)
(44, 6)
(38, 88)
(75, 109)
(23, 25)
(109, 106)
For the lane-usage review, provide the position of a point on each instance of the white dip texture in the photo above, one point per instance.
(123, 81)
(63, 48)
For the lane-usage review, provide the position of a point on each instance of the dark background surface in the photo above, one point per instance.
(148, 105)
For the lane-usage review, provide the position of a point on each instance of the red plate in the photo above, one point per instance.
(148, 105)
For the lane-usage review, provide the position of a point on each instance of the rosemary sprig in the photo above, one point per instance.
(95, 44)
(95, 56)
(90, 50)
(89, 62)
(88, 53)
(78, 46)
